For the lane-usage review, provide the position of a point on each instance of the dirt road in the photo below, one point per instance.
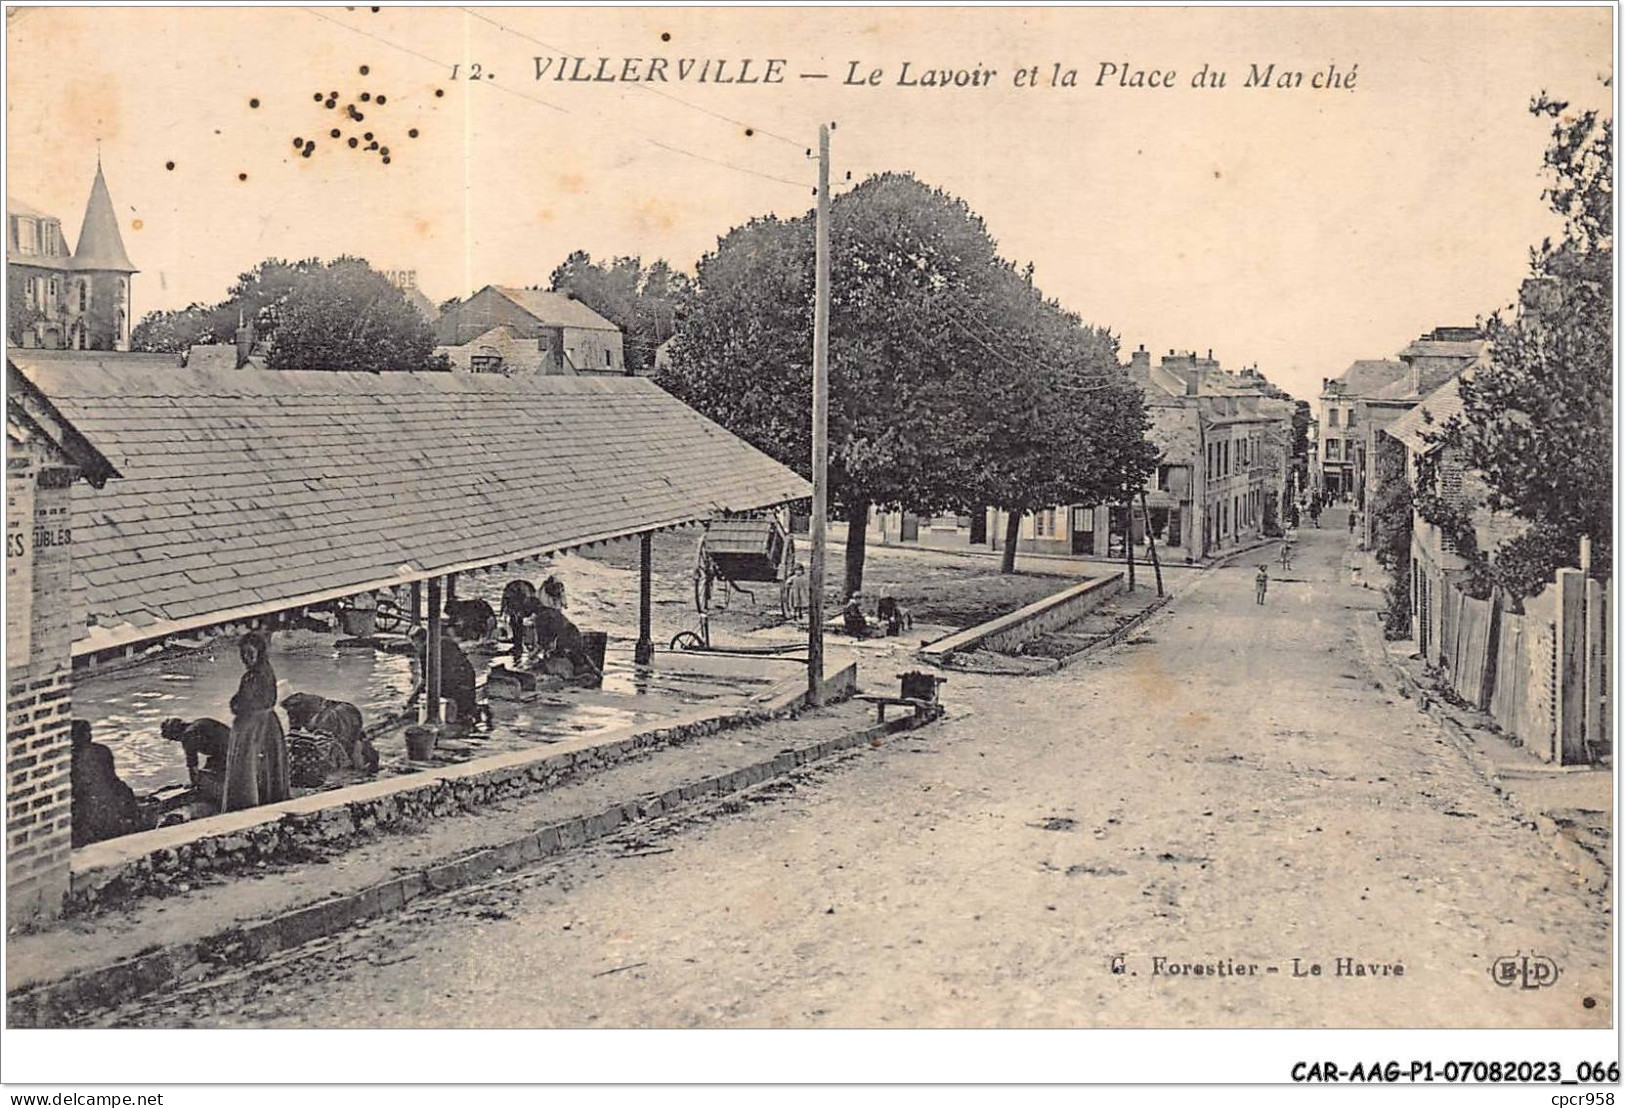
(1234, 789)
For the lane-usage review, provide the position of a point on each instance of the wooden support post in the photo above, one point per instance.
(417, 601)
(451, 587)
(1128, 540)
(820, 433)
(1597, 738)
(1151, 540)
(1570, 667)
(644, 653)
(431, 662)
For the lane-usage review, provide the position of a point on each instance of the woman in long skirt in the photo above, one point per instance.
(257, 759)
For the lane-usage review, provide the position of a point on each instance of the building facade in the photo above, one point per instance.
(522, 331)
(1225, 441)
(62, 300)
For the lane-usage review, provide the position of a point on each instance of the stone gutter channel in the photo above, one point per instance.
(147, 936)
(1006, 633)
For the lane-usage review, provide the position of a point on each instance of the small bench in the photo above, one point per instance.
(881, 703)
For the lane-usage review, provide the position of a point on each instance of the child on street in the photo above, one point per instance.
(1263, 581)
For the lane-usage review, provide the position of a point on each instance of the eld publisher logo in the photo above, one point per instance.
(1527, 971)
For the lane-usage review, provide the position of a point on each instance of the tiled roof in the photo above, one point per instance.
(556, 309)
(17, 207)
(1428, 417)
(246, 492)
(1365, 378)
(1468, 350)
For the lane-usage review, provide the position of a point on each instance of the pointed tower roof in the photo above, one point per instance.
(100, 245)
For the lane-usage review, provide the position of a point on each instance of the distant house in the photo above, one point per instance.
(1369, 395)
(520, 331)
(1225, 443)
(663, 355)
(77, 301)
(407, 281)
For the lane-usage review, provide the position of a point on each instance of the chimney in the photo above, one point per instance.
(1140, 359)
(1192, 384)
(245, 340)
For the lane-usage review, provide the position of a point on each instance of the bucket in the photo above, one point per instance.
(420, 743)
(359, 623)
(594, 644)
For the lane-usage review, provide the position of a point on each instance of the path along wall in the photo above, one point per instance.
(1541, 674)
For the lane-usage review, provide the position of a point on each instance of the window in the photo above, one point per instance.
(485, 363)
(1350, 421)
(55, 290)
(1333, 449)
(1083, 520)
(606, 358)
(1331, 417)
(84, 296)
(28, 236)
(1162, 478)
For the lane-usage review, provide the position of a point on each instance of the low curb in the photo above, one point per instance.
(61, 1003)
(1118, 635)
(1579, 861)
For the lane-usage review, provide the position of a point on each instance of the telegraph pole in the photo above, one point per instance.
(820, 435)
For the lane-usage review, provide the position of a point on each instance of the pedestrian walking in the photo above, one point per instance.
(1262, 581)
(1286, 554)
(1352, 516)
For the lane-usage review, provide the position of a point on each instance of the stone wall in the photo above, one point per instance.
(1007, 633)
(153, 861)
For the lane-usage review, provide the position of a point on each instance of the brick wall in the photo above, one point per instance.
(39, 822)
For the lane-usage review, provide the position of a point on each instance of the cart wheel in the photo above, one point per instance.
(388, 616)
(687, 640)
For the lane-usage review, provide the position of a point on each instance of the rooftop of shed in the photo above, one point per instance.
(246, 492)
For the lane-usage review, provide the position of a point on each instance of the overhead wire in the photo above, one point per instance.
(556, 107)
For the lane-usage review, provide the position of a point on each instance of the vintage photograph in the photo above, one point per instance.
(804, 518)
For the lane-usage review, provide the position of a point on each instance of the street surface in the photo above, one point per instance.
(1234, 787)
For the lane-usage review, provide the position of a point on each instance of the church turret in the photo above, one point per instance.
(102, 272)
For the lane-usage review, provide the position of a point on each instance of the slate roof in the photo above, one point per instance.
(1428, 417)
(1365, 378)
(100, 244)
(557, 309)
(252, 491)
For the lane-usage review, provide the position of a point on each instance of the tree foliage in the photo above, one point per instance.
(1053, 418)
(312, 314)
(641, 300)
(1537, 420)
(902, 257)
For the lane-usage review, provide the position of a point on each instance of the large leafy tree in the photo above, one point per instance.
(341, 314)
(1537, 420)
(346, 315)
(1055, 419)
(641, 300)
(904, 258)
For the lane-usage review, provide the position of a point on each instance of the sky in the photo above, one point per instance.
(1298, 229)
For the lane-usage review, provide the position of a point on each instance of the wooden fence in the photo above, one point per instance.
(1543, 675)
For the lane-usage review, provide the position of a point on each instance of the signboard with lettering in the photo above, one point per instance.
(19, 558)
